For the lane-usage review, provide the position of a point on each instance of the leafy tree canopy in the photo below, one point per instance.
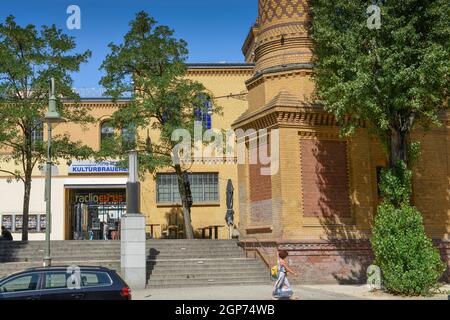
(28, 59)
(392, 77)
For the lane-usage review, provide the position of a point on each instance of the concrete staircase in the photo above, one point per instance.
(183, 263)
(18, 256)
(170, 263)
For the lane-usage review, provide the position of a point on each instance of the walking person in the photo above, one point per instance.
(282, 287)
(6, 235)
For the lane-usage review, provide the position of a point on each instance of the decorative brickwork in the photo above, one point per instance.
(325, 178)
(270, 10)
(260, 194)
(260, 186)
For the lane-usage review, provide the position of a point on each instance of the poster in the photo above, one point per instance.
(42, 223)
(7, 222)
(32, 223)
(18, 221)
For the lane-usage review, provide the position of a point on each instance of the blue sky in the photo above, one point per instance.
(215, 30)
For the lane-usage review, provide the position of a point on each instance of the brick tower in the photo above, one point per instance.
(320, 199)
(313, 194)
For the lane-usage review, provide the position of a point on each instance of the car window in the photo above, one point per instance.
(56, 280)
(95, 279)
(21, 283)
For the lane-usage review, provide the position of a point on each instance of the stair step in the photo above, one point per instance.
(197, 268)
(186, 284)
(215, 274)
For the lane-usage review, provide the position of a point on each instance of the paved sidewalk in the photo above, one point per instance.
(305, 292)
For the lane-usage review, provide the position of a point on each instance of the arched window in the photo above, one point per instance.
(129, 137)
(106, 132)
(203, 111)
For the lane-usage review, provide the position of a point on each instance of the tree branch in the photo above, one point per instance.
(13, 174)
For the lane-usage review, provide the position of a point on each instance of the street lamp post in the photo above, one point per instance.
(52, 116)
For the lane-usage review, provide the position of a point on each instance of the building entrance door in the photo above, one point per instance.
(96, 214)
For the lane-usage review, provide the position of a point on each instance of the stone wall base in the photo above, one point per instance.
(330, 262)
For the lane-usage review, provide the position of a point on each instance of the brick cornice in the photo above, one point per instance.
(96, 105)
(287, 116)
(297, 69)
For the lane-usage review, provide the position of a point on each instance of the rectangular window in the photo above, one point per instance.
(56, 280)
(97, 279)
(19, 284)
(204, 188)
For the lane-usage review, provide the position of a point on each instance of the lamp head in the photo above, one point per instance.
(52, 115)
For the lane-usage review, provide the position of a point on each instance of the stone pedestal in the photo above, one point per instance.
(133, 251)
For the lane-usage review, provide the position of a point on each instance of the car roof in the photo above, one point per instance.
(65, 267)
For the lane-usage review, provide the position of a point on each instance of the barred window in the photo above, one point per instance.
(204, 188)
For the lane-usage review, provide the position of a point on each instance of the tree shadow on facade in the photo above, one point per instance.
(328, 182)
(431, 194)
(174, 226)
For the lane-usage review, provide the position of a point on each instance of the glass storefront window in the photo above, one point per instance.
(94, 211)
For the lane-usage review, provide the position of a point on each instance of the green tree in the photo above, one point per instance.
(392, 78)
(28, 59)
(150, 64)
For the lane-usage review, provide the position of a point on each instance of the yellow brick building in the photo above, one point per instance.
(86, 188)
(321, 201)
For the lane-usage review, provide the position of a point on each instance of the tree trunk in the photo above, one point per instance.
(398, 147)
(26, 205)
(184, 201)
(28, 171)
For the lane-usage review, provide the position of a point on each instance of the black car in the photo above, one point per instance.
(65, 283)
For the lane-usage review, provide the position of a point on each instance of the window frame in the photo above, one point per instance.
(110, 135)
(130, 131)
(38, 285)
(202, 114)
(47, 274)
(111, 281)
(209, 181)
